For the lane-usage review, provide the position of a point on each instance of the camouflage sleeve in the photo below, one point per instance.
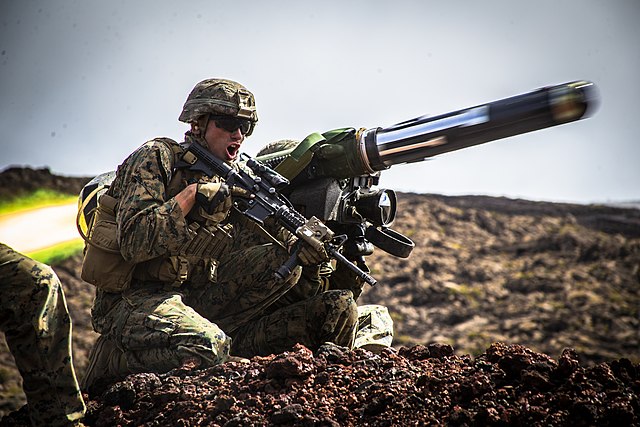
(343, 278)
(150, 224)
(280, 233)
(319, 276)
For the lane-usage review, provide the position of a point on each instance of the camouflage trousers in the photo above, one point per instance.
(157, 329)
(331, 316)
(35, 320)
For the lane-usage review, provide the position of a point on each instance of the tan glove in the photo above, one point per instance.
(215, 199)
(311, 256)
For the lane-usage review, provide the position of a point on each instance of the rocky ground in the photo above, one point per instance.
(545, 275)
(508, 312)
(506, 385)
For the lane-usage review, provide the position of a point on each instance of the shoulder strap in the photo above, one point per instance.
(175, 184)
(175, 148)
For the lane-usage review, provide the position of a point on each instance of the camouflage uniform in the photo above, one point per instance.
(159, 323)
(321, 292)
(373, 329)
(35, 319)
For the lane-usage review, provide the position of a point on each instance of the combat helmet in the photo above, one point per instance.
(219, 96)
(277, 146)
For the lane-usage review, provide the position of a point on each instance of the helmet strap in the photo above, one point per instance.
(199, 127)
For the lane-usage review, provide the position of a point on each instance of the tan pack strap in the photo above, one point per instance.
(86, 201)
(109, 203)
(175, 148)
(182, 268)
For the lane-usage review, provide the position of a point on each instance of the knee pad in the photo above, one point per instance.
(375, 328)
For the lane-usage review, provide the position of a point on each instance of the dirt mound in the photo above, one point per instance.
(507, 385)
(546, 276)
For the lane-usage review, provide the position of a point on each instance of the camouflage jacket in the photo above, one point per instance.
(149, 219)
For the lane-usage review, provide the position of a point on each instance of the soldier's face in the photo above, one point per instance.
(223, 144)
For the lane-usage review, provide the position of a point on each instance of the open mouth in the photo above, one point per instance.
(232, 150)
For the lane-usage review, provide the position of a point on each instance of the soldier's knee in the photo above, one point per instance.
(212, 349)
(375, 328)
(161, 333)
(338, 317)
(340, 300)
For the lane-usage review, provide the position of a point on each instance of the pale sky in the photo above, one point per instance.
(83, 83)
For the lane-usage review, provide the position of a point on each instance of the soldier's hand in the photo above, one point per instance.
(241, 192)
(308, 255)
(216, 196)
(213, 197)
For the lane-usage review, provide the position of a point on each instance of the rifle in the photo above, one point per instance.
(266, 202)
(332, 175)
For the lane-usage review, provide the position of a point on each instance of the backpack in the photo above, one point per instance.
(88, 201)
(91, 192)
(103, 264)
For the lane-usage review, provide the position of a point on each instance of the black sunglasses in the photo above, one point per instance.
(230, 124)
